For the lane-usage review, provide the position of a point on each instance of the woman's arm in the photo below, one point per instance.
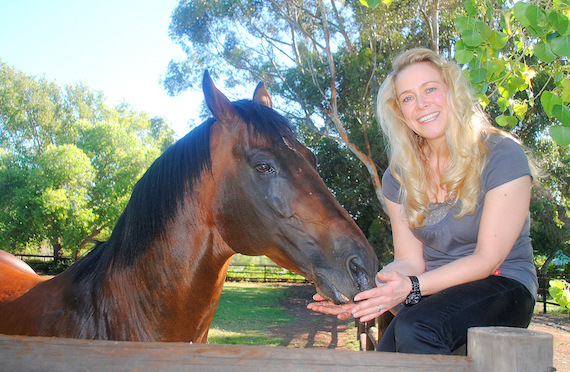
(504, 213)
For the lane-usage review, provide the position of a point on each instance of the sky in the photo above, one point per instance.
(119, 47)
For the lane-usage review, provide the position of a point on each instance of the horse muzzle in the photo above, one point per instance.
(340, 286)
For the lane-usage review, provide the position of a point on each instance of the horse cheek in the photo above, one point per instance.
(239, 224)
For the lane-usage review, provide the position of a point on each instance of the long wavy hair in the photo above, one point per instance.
(467, 130)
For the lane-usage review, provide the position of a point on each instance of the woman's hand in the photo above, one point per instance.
(392, 290)
(324, 306)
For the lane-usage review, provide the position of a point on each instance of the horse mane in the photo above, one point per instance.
(159, 194)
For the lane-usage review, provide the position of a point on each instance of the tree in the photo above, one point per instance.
(63, 179)
(505, 47)
(67, 162)
(550, 205)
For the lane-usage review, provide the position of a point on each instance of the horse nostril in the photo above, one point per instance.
(358, 273)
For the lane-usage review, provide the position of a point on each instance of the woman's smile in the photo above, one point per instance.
(428, 117)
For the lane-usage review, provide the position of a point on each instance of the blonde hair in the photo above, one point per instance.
(467, 129)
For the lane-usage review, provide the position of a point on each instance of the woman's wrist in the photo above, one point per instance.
(415, 294)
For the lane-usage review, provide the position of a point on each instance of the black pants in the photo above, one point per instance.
(438, 323)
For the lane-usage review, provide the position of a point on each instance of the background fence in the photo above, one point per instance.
(271, 273)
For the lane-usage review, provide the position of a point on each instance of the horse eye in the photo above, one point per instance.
(264, 168)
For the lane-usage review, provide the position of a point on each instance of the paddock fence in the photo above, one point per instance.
(263, 273)
(495, 349)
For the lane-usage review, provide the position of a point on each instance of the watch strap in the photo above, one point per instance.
(415, 295)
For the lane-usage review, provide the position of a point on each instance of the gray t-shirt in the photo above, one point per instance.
(446, 238)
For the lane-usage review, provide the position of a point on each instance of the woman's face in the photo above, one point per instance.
(422, 95)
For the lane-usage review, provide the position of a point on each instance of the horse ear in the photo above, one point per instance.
(262, 96)
(219, 105)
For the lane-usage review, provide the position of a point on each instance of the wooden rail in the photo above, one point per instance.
(502, 349)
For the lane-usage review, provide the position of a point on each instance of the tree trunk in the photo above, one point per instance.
(57, 250)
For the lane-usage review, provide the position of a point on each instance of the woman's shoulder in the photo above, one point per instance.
(498, 142)
(506, 161)
(390, 186)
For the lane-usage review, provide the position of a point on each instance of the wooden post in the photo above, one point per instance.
(504, 349)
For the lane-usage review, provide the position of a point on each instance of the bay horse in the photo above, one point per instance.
(239, 182)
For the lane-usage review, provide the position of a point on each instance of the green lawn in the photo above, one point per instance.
(245, 314)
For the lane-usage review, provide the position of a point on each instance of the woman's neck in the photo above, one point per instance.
(437, 161)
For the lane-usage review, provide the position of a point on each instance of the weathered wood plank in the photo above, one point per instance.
(503, 349)
(23, 353)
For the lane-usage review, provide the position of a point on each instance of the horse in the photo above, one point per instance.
(240, 182)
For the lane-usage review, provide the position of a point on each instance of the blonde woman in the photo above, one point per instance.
(458, 194)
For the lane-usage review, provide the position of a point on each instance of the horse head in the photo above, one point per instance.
(270, 199)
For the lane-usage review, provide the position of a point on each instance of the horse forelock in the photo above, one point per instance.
(265, 122)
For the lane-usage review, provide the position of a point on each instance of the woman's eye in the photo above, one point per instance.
(432, 89)
(264, 168)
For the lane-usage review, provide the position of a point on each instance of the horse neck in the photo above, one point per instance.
(182, 276)
(171, 291)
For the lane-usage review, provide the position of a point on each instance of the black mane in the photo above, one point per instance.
(159, 194)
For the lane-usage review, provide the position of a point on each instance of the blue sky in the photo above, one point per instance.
(119, 47)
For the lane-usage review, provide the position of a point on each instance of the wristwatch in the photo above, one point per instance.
(415, 295)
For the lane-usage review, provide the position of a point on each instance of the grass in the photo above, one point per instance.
(245, 314)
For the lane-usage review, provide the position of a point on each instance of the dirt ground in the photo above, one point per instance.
(314, 330)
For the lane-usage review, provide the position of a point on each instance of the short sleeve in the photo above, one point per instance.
(506, 162)
(390, 186)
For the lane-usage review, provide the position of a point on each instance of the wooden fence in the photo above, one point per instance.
(490, 349)
(266, 273)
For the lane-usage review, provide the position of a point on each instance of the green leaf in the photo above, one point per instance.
(560, 134)
(472, 31)
(556, 284)
(544, 52)
(504, 120)
(520, 13)
(470, 7)
(463, 23)
(532, 18)
(562, 113)
(520, 110)
(507, 90)
(549, 100)
(478, 74)
(558, 21)
(498, 39)
(494, 67)
(483, 28)
(463, 56)
(483, 99)
(373, 3)
(503, 104)
(561, 46)
(472, 38)
(566, 91)
(536, 16)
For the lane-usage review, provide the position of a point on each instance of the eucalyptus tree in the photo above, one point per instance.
(68, 162)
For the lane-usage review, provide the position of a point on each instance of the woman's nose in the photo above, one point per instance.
(422, 101)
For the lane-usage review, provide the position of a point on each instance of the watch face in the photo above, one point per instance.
(413, 298)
